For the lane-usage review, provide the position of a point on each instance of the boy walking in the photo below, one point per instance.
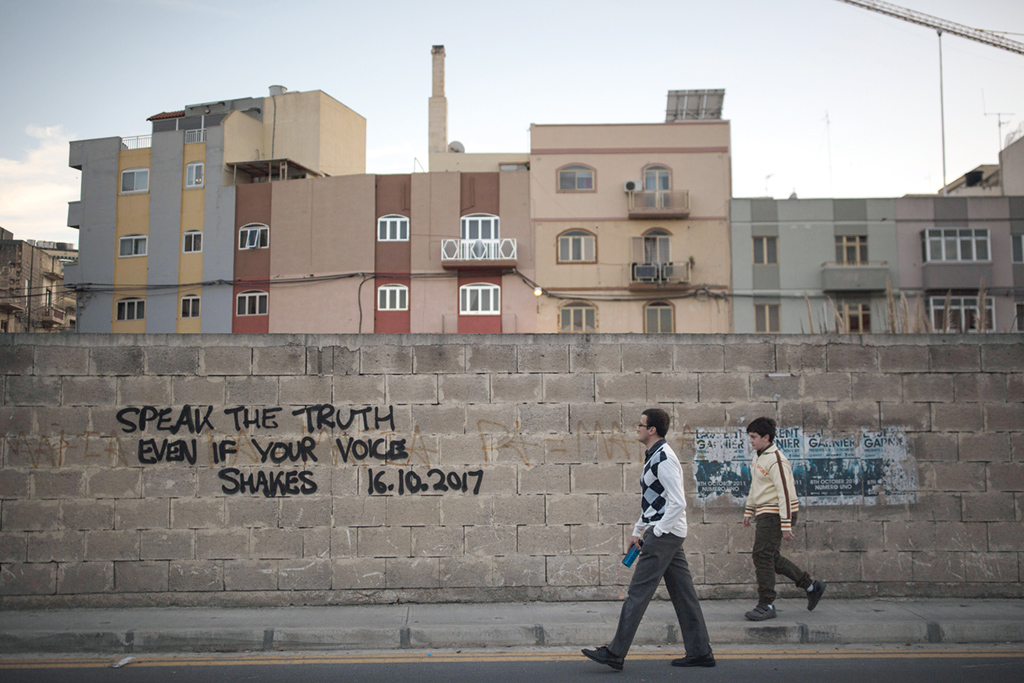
(773, 504)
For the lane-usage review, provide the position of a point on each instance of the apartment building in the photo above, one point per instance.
(32, 293)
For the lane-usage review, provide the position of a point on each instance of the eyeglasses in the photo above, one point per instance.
(641, 425)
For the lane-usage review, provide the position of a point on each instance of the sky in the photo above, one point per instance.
(825, 99)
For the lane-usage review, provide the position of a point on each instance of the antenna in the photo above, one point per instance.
(999, 121)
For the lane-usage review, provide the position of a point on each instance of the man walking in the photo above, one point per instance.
(773, 504)
(662, 528)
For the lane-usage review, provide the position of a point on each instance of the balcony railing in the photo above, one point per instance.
(137, 142)
(195, 135)
(478, 250)
(860, 277)
(53, 315)
(659, 203)
(659, 273)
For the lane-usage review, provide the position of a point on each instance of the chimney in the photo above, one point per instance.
(438, 108)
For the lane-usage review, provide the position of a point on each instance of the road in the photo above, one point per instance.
(838, 665)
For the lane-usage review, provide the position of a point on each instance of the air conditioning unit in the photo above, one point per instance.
(645, 272)
(631, 186)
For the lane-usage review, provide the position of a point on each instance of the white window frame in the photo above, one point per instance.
(577, 242)
(947, 244)
(959, 306)
(255, 299)
(192, 242)
(473, 227)
(135, 174)
(393, 228)
(392, 298)
(582, 318)
(192, 308)
(254, 236)
(137, 245)
(1017, 250)
(480, 298)
(131, 308)
(194, 173)
(576, 172)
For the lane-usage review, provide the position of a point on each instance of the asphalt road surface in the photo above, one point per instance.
(918, 664)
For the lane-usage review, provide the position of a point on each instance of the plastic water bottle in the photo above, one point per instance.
(631, 556)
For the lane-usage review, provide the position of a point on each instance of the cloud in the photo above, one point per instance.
(35, 191)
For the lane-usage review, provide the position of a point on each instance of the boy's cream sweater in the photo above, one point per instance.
(771, 487)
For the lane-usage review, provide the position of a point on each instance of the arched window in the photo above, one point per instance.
(131, 309)
(192, 242)
(480, 298)
(658, 318)
(657, 179)
(575, 178)
(132, 245)
(190, 306)
(576, 245)
(578, 316)
(254, 236)
(480, 226)
(656, 246)
(393, 228)
(393, 298)
(253, 302)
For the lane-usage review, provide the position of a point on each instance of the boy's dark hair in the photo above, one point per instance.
(763, 426)
(657, 418)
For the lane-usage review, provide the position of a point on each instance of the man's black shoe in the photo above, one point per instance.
(602, 656)
(814, 595)
(761, 612)
(704, 660)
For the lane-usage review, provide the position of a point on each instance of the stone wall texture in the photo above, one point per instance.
(277, 469)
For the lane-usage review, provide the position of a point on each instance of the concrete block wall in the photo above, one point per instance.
(521, 450)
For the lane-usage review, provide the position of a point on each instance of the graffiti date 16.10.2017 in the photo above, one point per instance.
(408, 481)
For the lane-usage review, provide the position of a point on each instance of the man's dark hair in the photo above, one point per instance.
(657, 418)
(763, 426)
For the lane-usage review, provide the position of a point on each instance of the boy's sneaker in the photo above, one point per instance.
(762, 612)
(814, 595)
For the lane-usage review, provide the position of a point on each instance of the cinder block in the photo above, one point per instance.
(854, 416)
(359, 511)
(418, 510)
(671, 388)
(197, 513)
(412, 389)
(851, 358)
(699, 358)
(1006, 477)
(960, 357)
(724, 388)
(543, 540)
(115, 483)
(992, 567)
(30, 515)
(574, 571)
(740, 414)
(29, 579)
(144, 391)
(827, 386)
(952, 476)
(520, 570)
(168, 482)
(250, 575)
(438, 541)
(800, 357)
(648, 358)
(752, 358)
(359, 389)
(595, 478)
(619, 508)
(319, 361)
(166, 544)
(773, 389)
(727, 568)
(544, 479)
(89, 391)
(439, 359)
(172, 360)
(61, 546)
(958, 536)
(618, 387)
(358, 574)
(276, 544)
(995, 506)
(279, 360)
(117, 360)
(903, 358)
(688, 416)
(977, 387)
(439, 419)
(596, 358)
(306, 511)
(466, 389)
(346, 360)
(141, 577)
(421, 572)
(14, 484)
(306, 390)
(466, 511)
(17, 360)
(712, 538)
(316, 542)
(306, 574)
(1004, 417)
(225, 360)
(195, 577)
(910, 416)
(29, 390)
(226, 544)
(869, 387)
(1002, 357)
(467, 572)
(985, 447)
(491, 540)
(492, 358)
(839, 567)
(112, 545)
(1005, 536)
(957, 417)
(385, 360)
(592, 418)
(571, 509)
(542, 357)
(58, 484)
(933, 388)
(252, 391)
(61, 422)
(928, 446)
(516, 388)
(142, 514)
(568, 388)
(547, 418)
(77, 578)
(391, 541)
(595, 539)
(521, 509)
(907, 536)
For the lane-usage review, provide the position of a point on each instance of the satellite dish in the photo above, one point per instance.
(456, 147)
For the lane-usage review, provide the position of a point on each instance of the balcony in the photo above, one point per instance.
(51, 316)
(945, 275)
(839, 277)
(658, 275)
(195, 135)
(75, 214)
(458, 254)
(137, 142)
(659, 204)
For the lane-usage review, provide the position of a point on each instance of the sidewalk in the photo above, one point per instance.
(445, 626)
